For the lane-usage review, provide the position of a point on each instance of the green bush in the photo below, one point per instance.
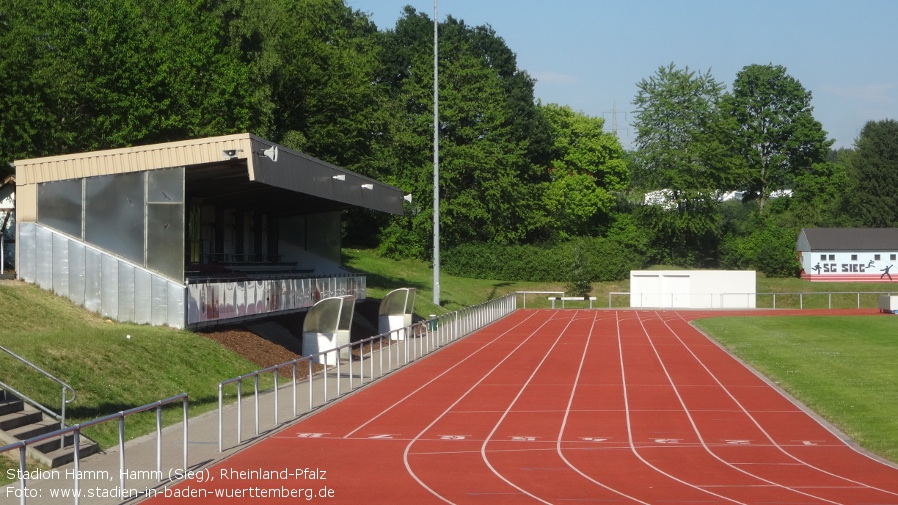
(767, 249)
(579, 282)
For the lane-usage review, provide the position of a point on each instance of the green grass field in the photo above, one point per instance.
(113, 373)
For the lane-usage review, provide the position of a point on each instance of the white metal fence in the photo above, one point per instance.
(784, 300)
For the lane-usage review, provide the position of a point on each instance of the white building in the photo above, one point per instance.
(848, 254)
(693, 289)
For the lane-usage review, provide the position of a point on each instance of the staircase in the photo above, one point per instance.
(20, 421)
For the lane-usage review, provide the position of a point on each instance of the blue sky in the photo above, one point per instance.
(589, 54)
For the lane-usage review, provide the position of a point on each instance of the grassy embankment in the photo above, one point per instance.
(113, 373)
(109, 371)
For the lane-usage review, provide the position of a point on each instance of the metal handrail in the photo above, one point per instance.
(22, 445)
(525, 293)
(65, 389)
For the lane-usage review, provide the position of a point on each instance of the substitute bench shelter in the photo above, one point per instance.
(190, 233)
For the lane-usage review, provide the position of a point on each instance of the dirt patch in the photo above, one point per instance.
(265, 350)
(251, 346)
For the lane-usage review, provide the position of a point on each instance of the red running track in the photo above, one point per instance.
(559, 406)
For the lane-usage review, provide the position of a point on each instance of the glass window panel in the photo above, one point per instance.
(165, 240)
(114, 214)
(165, 186)
(59, 206)
(394, 303)
(346, 314)
(324, 316)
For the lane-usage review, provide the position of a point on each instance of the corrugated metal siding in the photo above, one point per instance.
(130, 159)
(102, 283)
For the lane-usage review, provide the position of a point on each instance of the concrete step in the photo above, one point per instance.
(10, 405)
(55, 443)
(19, 421)
(51, 452)
(62, 456)
(34, 429)
(14, 420)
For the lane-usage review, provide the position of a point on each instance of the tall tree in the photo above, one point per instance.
(587, 167)
(314, 63)
(818, 194)
(680, 151)
(774, 129)
(874, 174)
(84, 75)
(488, 179)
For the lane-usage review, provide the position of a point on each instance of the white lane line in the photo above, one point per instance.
(405, 453)
(776, 444)
(630, 426)
(701, 439)
(437, 377)
(486, 441)
(567, 414)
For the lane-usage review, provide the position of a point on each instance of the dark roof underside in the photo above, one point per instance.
(227, 184)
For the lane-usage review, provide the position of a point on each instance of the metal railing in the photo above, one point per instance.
(348, 367)
(65, 390)
(538, 293)
(782, 300)
(22, 445)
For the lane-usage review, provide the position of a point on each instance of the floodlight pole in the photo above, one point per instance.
(436, 165)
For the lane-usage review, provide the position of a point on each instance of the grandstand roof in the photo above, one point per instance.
(241, 166)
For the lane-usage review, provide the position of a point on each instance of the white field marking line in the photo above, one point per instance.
(492, 432)
(780, 447)
(620, 350)
(567, 414)
(504, 451)
(695, 427)
(408, 467)
(435, 378)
